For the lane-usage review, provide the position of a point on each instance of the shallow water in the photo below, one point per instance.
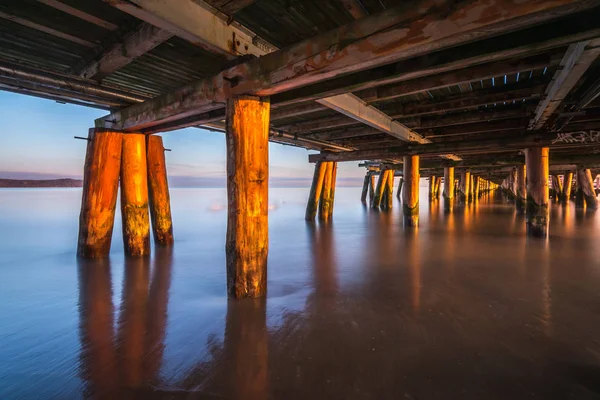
(466, 306)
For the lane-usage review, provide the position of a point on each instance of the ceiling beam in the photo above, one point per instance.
(80, 14)
(195, 22)
(576, 61)
(134, 45)
(409, 30)
(230, 7)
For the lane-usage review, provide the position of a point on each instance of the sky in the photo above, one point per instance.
(36, 142)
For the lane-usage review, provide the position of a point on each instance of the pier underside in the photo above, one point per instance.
(478, 89)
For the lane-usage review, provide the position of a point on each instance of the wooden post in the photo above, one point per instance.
(371, 189)
(365, 188)
(247, 243)
(410, 195)
(567, 184)
(537, 210)
(465, 183)
(100, 188)
(390, 190)
(158, 190)
(384, 194)
(432, 187)
(584, 176)
(134, 195)
(521, 188)
(315, 191)
(381, 183)
(472, 188)
(438, 184)
(333, 183)
(448, 188)
(399, 191)
(325, 201)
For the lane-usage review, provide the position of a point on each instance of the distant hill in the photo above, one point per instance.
(40, 183)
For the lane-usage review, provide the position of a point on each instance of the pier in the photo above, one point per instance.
(481, 97)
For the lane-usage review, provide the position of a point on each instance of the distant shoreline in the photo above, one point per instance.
(41, 183)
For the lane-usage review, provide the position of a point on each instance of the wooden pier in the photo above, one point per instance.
(498, 93)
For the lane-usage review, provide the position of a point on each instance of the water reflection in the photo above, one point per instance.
(124, 364)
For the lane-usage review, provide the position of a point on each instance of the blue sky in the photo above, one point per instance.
(37, 142)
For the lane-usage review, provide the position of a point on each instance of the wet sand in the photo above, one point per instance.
(465, 307)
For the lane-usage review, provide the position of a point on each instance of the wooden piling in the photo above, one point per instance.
(325, 201)
(247, 243)
(333, 184)
(567, 185)
(381, 184)
(438, 184)
(100, 188)
(537, 210)
(410, 195)
(315, 191)
(371, 189)
(158, 191)
(432, 187)
(521, 188)
(389, 195)
(134, 195)
(399, 191)
(584, 176)
(448, 188)
(475, 188)
(465, 186)
(365, 188)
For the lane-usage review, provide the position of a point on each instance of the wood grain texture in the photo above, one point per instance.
(247, 243)
(158, 191)
(584, 176)
(100, 188)
(410, 194)
(389, 194)
(372, 184)
(134, 195)
(379, 189)
(537, 210)
(315, 192)
(325, 202)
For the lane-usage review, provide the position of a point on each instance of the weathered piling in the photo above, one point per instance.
(448, 188)
(247, 243)
(371, 189)
(521, 199)
(537, 210)
(475, 188)
(399, 191)
(438, 184)
(326, 193)
(158, 191)
(333, 184)
(389, 193)
(465, 186)
(410, 194)
(315, 191)
(381, 184)
(134, 195)
(365, 188)
(100, 188)
(584, 176)
(432, 180)
(557, 187)
(567, 185)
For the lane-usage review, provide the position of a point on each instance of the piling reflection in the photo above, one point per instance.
(128, 363)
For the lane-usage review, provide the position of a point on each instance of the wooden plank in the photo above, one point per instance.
(80, 14)
(577, 60)
(406, 31)
(192, 21)
(134, 45)
(45, 29)
(230, 7)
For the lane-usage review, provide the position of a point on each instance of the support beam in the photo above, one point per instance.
(449, 188)
(315, 191)
(399, 191)
(194, 22)
(134, 195)
(365, 188)
(326, 201)
(372, 189)
(586, 183)
(537, 210)
(465, 186)
(381, 183)
(80, 14)
(410, 194)
(134, 45)
(230, 7)
(399, 33)
(333, 185)
(158, 190)
(576, 61)
(521, 188)
(100, 188)
(475, 187)
(247, 243)
(354, 8)
(567, 185)
(389, 192)
(432, 182)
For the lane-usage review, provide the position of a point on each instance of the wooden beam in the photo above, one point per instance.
(230, 7)
(80, 14)
(354, 8)
(134, 45)
(466, 75)
(194, 22)
(576, 61)
(48, 30)
(402, 32)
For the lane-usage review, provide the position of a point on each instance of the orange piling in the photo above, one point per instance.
(537, 210)
(158, 191)
(410, 195)
(315, 191)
